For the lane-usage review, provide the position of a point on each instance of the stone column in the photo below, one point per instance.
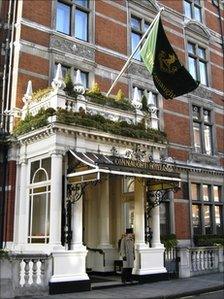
(139, 214)
(104, 212)
(22, 212)
(147, 260)
(56, 200)
(77, 227)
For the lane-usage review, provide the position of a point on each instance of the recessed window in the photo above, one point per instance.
(217, 191)
(195, 191)
(218, 217)
(72, 18)
(206, 193)
(193, 9)
(144, 93)
(207, 219)
(197, 63)
(164, 211)
(128, 185)
(196, 219)
(39, 201)
(207, 209)
(63, 18)
(202, 130)
(138, 28)
(72, 71)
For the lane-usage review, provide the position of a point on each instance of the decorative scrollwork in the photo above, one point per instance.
(136, 153)
(114, 151)
(75, 192)
(154, 199)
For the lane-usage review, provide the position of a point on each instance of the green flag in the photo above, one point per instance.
(169, 75)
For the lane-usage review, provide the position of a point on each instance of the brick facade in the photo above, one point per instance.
(37, 54)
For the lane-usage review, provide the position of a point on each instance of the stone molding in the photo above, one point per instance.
(75, 48)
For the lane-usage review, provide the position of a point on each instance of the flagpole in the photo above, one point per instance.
(133, 53)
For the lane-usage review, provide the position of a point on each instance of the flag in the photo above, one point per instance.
(169, 75)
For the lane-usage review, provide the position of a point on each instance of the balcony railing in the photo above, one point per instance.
(200, 260)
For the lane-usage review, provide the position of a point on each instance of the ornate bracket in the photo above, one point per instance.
(75, 192)
(153, 199)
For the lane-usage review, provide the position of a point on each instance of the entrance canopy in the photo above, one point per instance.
(92, 165)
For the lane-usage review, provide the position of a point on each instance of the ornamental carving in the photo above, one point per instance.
(136, 153)
(202, 92)
(200, 158)
(68, 46)
(138, 70)
(196, 28)
(148, 4)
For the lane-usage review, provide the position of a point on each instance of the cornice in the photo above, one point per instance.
(90, 134)
(199, 169)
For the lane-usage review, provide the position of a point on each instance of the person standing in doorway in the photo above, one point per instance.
(127, 252)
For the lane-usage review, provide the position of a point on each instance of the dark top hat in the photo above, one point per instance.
(129, 230)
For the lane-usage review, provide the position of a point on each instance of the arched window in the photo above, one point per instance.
(39, 201)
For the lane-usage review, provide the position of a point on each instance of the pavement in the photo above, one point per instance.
(174, 288)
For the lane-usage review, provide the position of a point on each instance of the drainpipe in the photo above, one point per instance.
(218, 6)
(10, 63)
(3, 189)
(5, 67)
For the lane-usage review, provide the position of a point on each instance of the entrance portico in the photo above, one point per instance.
(101, 205)
(108, 172)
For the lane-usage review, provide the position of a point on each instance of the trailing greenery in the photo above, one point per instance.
(4, 254)
(31, 122)
(87, 120)
(209, 240)
(169, 241)
(40, 93)
(118, 128)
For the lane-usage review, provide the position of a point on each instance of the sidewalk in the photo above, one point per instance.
(174, 288)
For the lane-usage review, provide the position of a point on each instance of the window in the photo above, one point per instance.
(202, 130)
(72, 18)
(138, 28)
(67, 69)
(197, 63)
(39, 201)
(164, 211)
(63, 18)
(217, 192)
(196, 219)
(193, 10)
(145, 92)
(128, 185)
(207, 209)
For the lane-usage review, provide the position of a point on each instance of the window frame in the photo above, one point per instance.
(193, 6)
(138, 32)
(144, 92)
(211, 204)
(72, 70)
(72, 24)
(33, 186)
(198, 59)
(202, 124)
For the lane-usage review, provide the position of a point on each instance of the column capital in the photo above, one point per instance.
(57, 152)
(23, 160)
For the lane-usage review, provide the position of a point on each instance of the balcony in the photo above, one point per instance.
(71, 104)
